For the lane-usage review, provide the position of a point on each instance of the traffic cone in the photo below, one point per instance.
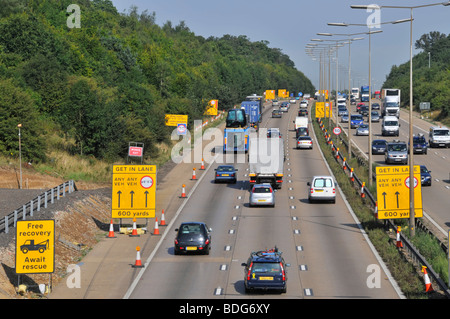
(344, 167)
(399, 242)
(376, 210)
(134, 231)
(194, 177)
(111, 230)
(362, 190)
(138, 262)
(163, 220)
(183, 192)
(203, 165)
(351, 175)
(156, 230)
(428, 287)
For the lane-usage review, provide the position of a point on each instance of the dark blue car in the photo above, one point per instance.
(425, 176)
(420, 144)
(225, 173)
(379, 146)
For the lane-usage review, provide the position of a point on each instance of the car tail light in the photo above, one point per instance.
(217, 175)
(207, 242)
(270, 189)
(176, 242)
(334, 191)
(249, 271)
(312, 190)
(282, 272)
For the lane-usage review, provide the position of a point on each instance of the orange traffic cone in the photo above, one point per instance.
(428, 287)
(138, 262)
(203, 165)
(156, 230)
(399, 242)
(362, 190)
(134, 231)
(183, 192)
(163, 220)
(111, 230)
(194, 177)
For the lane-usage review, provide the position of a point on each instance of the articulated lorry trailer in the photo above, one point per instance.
(266, 159)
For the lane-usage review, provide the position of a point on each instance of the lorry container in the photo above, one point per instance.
(266, 160)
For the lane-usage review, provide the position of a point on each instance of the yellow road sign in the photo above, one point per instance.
(134, 191)
(35, 246)
(270, 94)
(175, 119)
(393, 192)
(320, 109)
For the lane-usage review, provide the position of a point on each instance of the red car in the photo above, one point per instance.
(358, 106)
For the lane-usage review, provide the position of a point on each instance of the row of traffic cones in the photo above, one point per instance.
(134, 232)
(193, 178)
(399, 244)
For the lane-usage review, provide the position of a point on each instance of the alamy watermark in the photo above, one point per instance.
(374, 19)
(74, 20)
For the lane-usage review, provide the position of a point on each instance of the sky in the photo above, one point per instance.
(291, 24)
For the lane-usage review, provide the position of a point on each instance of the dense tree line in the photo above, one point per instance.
(112, 80)
(431, 75)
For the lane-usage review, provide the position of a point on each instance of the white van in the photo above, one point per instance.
(322, 188)
(439, 136)
(390, 126)
(300, 121)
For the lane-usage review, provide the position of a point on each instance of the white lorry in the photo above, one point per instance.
(390, 105)
(266, 160)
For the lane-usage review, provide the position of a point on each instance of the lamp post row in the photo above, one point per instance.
(411, 154)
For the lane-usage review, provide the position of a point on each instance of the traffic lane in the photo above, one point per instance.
(165, 276)
(333, 248)
(261, 228)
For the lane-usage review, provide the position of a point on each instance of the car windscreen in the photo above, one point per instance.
(356, 118)
(441, 132)
(391, 123)
(397, 147)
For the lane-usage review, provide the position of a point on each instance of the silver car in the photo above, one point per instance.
(363, 129)
(396, 152)
(262, 195)
(374, 116)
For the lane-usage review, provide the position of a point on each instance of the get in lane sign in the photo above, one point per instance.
(393, 192)
(134, 191)
(35, 246)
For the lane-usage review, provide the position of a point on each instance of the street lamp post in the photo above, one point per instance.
(411, 153)
(349, 77)
(20, 157)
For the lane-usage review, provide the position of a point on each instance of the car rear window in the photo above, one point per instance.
(266, 267)
(323, 182)
(261, 190)
(225, 169)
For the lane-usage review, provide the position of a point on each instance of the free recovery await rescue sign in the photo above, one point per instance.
(35, 246)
